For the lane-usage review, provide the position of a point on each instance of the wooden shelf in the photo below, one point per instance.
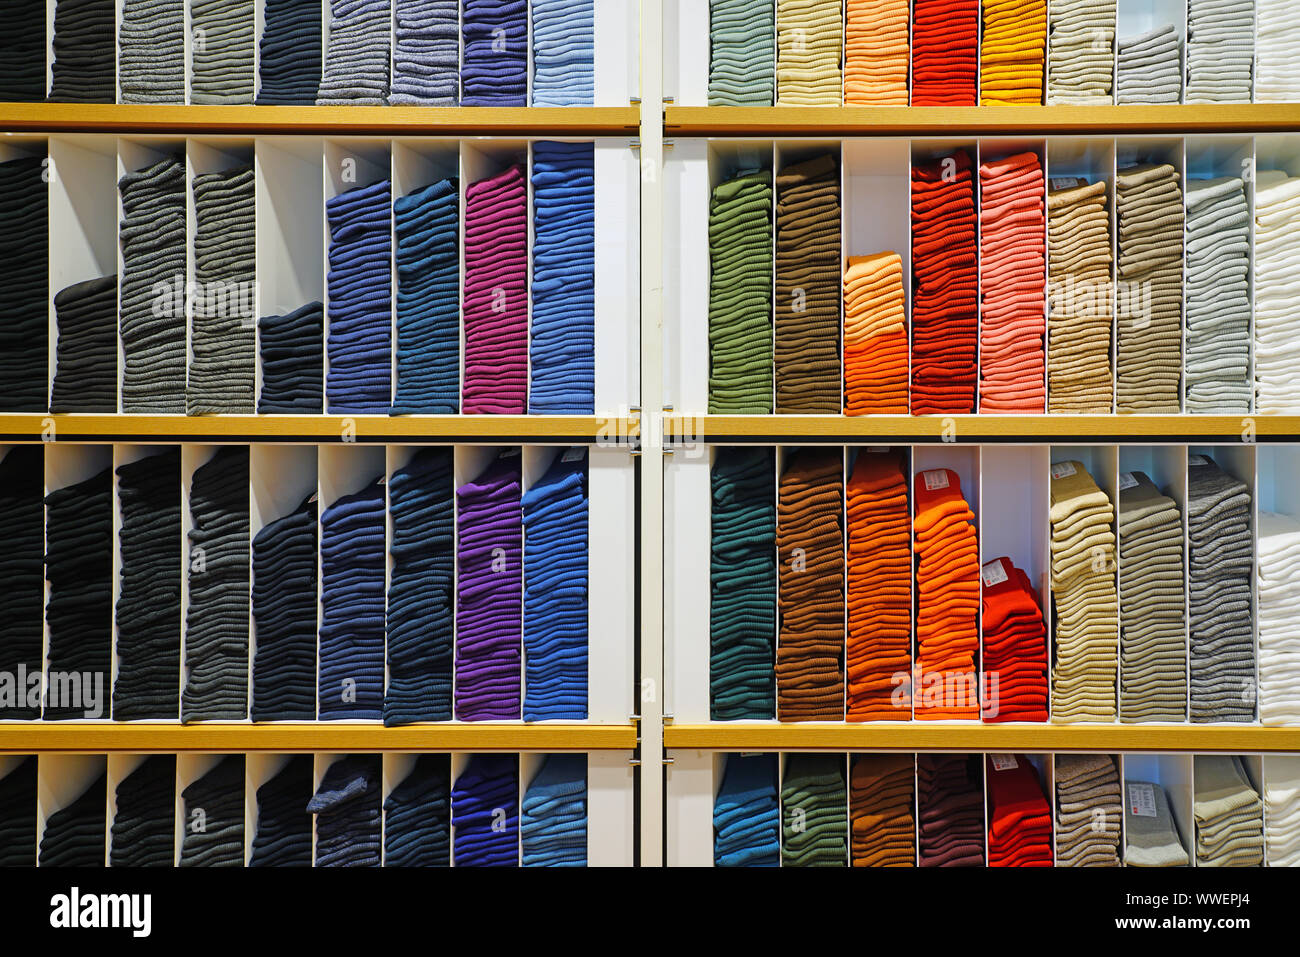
(972, 121)
(131, 737)
(335, 120)
(362, 429)
(982, 429)
(949, 736)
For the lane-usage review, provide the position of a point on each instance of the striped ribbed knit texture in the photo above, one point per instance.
(951, 807)
(945, 52)
(742, 52)
(1089, 811)
(151, 51)
(143, 833)
(564, 58)
(809, 47)
(22, 568)
(18, 815)
(1148, 67)
(882, 792)
(494, 53)
(1012, 45)
(22, 52)
(426, 53)
(1277, 270)
(284, 616)
(553, 816)
(347, 805)
(417, 816)
(293, 360)
(283, 826)
(1217, 291)
(1081, 52)
(221, 51)
(814, 811)
(360, 279)
(85, 366)
(746, 814)
(24, 284)
(74, 834)
(85, 51)
(485, 812)
(356, 67)
(1220, 51)
(289, 56)
(1080, 302)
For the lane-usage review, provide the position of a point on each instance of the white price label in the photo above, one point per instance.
(1127, 480)
(1142, 800)
(1003, 762)
(935, 479)
(1062, 470)
(1198, 460)
(573, 455)
(993, 573)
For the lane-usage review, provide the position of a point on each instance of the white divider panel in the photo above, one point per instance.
(876, 205)
(67, 465)
(687, 187)
(350, 162)
(617, 264)
(83, 216)
(686, 52)
(611, 586)
(280, 477)
(137, 153)
(1173, 772)
(688, 506)
(60, 780)
(343, 470)
(1166, 466)
(291, 227)
(122, 455)
(1015, 507)
(49, 43)
(459, 761)
(616, 52)
(1211, 156)
(1281, 773)
(259, 768)
(692, 781)
(611, 809)
(259, 28)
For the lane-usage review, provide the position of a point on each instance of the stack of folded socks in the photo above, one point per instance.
(282, 830)
(347, 808)
(881, 798)
(360, 300)
(562, 347)
(746, 816)
(814, 818)
(951, 805)
(1279, 591)
(85, 365)
(152, 304)
(216, 622)
(1229, 814)
(1012, 44)
(1221, 564)
(79, 612)
(1089, 811)
(143, 833)
(417, 815)
(489, 593)
(151, 51)
(494, 61)
(1020, 820)
(553, 816)
(85, 51)
(1014, 651)
(1149, 291)
(24, 284)
(18, 814)
(1220, 51)
(350, 653)
(742, 593)
(426, 230)
(284, 616)
(945, 52)
(1079, 320)
(74, 834)
(1277, 271)
(221, 66)
(485, 812)
(22, 52)
(555, 590)
(947, 599)
(293, 363)
(809, 39)
(742, 52)
(223, 338)
(807, 326)
(1148, 67)
(1013, 281)
(356, 67)
(879, 578)
(1081, 52)
(1150, 833)
(875, 335)
(421, 582)
(1277, 37)
(1153, 630)
(426, 53)
(564, 59)
(149, 590)
(22, 567)
(740, 294)
(876, 52)
(810, 553)
(1084, 596)
(945, 275)
(1217, 292)
(1281, 816)
(289, 56)
(495, 295)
